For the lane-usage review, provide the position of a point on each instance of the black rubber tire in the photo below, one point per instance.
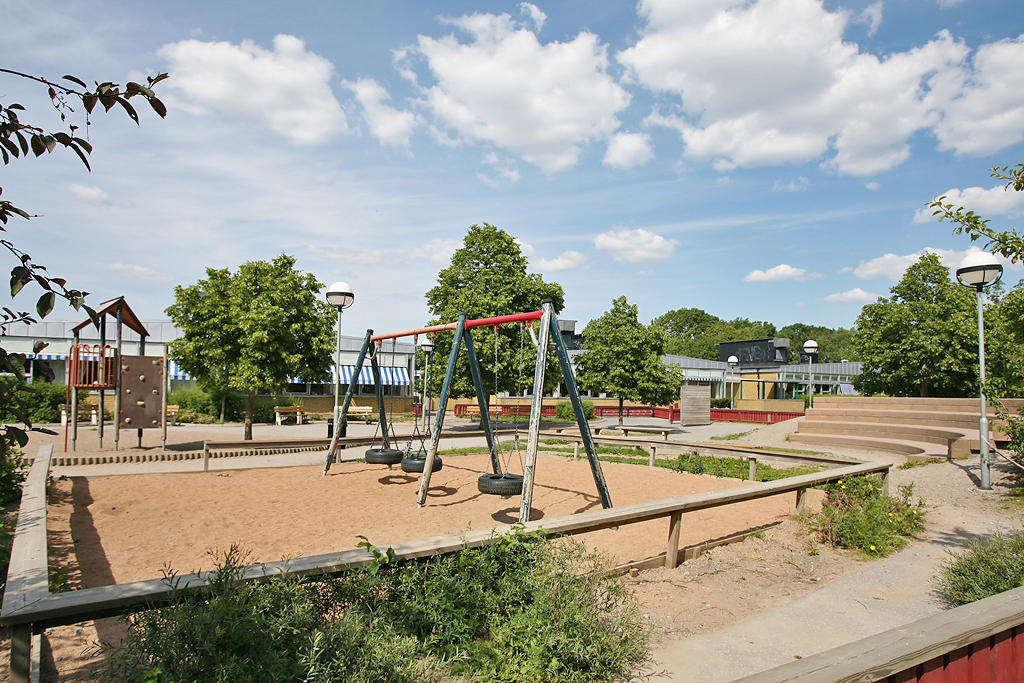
(383, 456)
(500, 484)
(415, 463)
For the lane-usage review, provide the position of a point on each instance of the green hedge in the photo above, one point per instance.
(43, 400)
(564, 411)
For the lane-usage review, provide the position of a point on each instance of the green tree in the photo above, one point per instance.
(487, 277)
(922, 340)
(685, 327)
(19, 137)
(623, 358)
(253, 329)
(834, 344)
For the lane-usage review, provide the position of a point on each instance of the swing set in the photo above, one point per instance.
(499, 481)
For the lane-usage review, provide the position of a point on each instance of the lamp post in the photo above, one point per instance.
(733, 362)
(979, 270)
(341, 297)
(428, 349)
(810, 348)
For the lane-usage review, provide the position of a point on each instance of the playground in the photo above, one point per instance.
(127, 528)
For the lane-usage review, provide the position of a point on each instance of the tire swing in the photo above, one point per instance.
(505, 484)
(414, 463)
(384, 455)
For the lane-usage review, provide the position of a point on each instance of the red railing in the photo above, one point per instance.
(462, 410)
(759, 416)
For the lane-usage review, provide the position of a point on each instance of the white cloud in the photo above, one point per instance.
(856, 294)
(88, 193)
(389, 125)
(540, 101)
(137, 272)
(995, 201)
(801, 183)
(892, 266)
(626, 150)
(872, 185)
(564, 261)
(286, 89)
(872, 16)
(437, 250)
(635, 246)
(534, 13)
(780, 273)
(986, 116)
(764, 82)
(506, 168)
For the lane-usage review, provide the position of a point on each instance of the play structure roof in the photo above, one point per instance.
(128, 316)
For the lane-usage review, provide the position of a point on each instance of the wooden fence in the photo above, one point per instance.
(31, 609)
(757, 416)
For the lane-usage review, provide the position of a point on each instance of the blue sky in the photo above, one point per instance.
(769, 159)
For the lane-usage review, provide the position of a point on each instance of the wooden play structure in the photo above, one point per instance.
(139, 382)
(499, 481)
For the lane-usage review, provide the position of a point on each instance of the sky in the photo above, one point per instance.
(766, 159)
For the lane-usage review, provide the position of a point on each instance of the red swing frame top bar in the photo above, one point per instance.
(470, 324)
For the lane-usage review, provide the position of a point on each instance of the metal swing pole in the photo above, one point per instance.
(442, 404)
(375, 369)
(481, 399)
(343, 413)
(533, 437)
(581, 417)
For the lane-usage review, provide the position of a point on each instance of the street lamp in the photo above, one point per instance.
(810, 348)
(979, 270)
(341, 297)
(733, 362)
(428, 350)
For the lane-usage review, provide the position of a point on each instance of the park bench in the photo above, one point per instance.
(664, 431)
(282, 412)
(172, 414)
(85, 413)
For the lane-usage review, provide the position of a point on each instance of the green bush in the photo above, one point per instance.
(721, 403)
(194, 405)
(856, 514)
(564, 411)
(523, 609)
(985, 568)
(264, 412)
(12, 474)
(42, 401)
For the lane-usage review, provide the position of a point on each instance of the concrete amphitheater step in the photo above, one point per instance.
(911, 403)
(965, 420)
(956, 442)
(912, 450)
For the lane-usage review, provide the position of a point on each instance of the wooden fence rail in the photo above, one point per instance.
(35, 611)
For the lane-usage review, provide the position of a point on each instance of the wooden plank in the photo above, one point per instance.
(801, 501)
(675, 523)
(904, 647)
(27, 572)
(90, 603)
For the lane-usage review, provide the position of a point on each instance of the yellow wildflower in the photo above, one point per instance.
(872, 547)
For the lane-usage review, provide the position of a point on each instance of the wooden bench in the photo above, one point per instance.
(281, 412)
(664, 431)
(362, 412)
(172, 414)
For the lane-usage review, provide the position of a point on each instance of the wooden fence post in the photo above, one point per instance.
(675, 522)
(886, 477)
(206, 457)
(801, 500)
(576, 450)
(650, 458)
(752, 473)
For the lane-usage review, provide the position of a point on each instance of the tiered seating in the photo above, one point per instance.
(915, 427)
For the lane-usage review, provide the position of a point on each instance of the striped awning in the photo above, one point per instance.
(174, 371)
(389, 375)
(46, 356)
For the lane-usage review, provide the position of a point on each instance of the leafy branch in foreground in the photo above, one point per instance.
(20, 138)
(1007, 243)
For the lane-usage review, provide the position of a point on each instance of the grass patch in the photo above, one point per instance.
(985, 568)
(522, 609)
(910, 464)
(856, 514)
(731, 437)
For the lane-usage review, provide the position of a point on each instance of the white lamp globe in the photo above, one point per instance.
(733, 361)
(340, 295)
(979, 269)
(427, 344)
(810, 346)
